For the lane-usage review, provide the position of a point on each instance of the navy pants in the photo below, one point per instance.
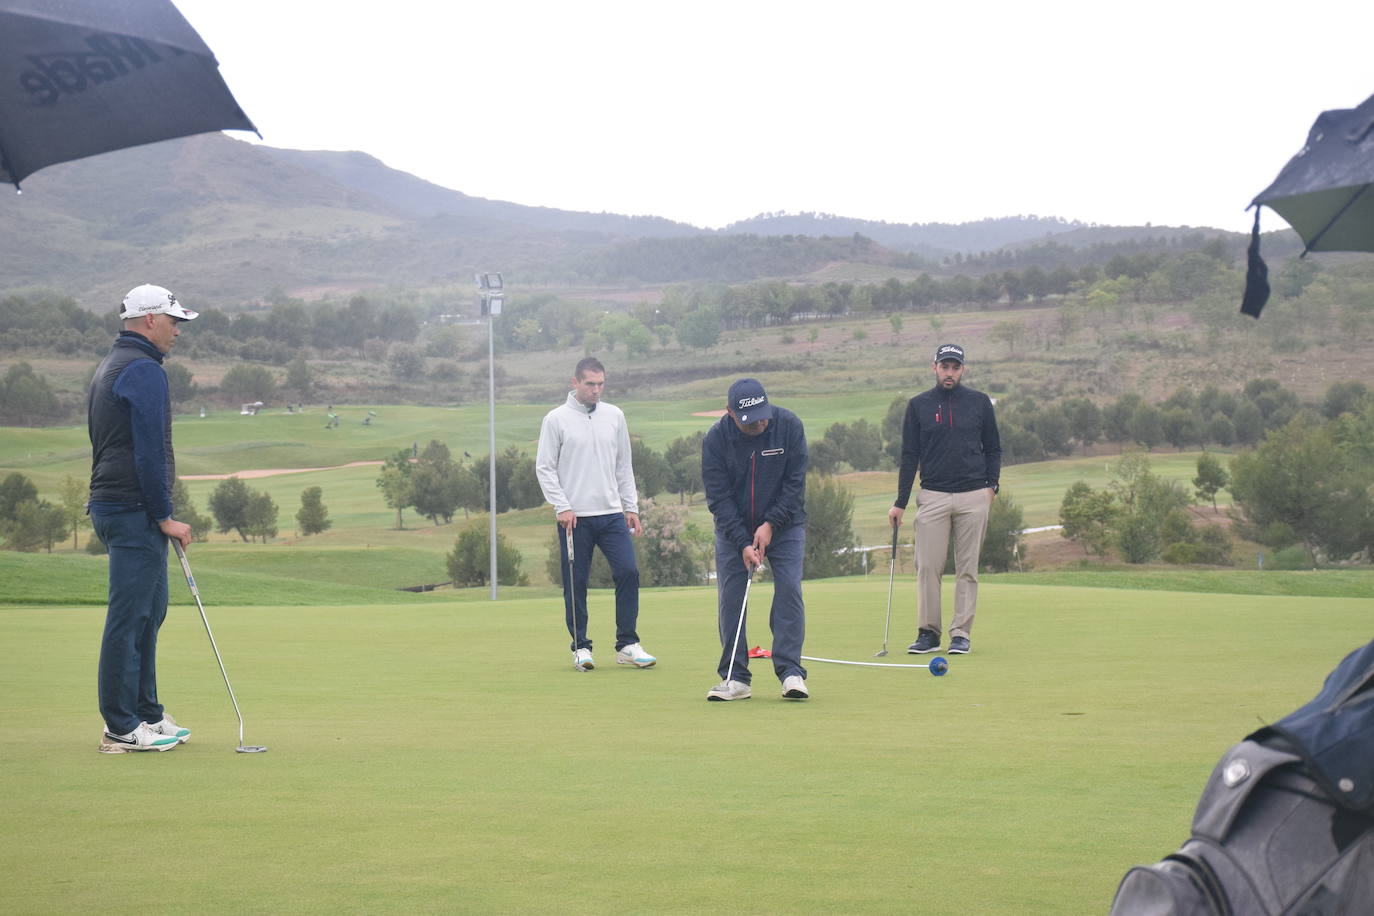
(787, 619)
(138, 605)
(612, 534)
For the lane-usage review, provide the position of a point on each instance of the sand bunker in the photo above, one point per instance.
(273, 472)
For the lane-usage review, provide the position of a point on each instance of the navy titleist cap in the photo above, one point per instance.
(749, 401)
(949, 351)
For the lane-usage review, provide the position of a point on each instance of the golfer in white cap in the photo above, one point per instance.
(129, 417)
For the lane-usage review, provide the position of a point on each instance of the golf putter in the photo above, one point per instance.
(195, 593)
(739, 625)
(572, 594)
(891, 574)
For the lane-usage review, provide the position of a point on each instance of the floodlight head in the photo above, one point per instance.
(489, 303)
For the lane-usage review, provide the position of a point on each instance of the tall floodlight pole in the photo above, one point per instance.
(490, 300)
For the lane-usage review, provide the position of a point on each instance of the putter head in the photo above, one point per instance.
(880, 653)
(250, 749)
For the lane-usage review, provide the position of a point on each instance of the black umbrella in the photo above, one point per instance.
(80, 77)
(1324, 192)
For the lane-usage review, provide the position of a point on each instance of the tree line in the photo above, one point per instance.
(415, 340)
(1306, 492)
(1032, 430)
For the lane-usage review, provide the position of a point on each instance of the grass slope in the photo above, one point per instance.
(225, 442)
(444, 757)
(250, 575)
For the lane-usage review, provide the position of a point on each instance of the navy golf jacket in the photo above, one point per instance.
(129, 418)
(750, 480)
(952, 437)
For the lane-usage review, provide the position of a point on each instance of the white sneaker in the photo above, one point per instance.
(729, 690)
(634, 654)
(582, 660)
(794, 687)
(142, 738)
(168, 726)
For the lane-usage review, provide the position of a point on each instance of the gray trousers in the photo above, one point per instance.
(938, 514)
(787, 619)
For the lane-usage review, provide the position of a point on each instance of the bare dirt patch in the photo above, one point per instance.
(273, 472)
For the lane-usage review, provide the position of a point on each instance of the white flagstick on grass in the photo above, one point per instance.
(938, 666)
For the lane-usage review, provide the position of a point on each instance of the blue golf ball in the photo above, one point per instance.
(938, 666)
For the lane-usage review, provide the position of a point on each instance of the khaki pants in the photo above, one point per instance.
(936, 514)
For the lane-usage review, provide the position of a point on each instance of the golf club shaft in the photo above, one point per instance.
(572, 592)
(739, 624)
(891, 575)
(195, 593)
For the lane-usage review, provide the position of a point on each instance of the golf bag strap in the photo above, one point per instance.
(1240, 770)
(1181, 885)
(1204, 878)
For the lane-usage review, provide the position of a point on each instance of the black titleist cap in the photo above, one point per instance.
(749, 401)
(949, 351)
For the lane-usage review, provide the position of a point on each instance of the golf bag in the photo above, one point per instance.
(1286, 822)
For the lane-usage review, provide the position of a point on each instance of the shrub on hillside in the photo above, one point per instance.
(1314, 479)
(470, 562)
(672, 550)
(1004, 545)
(248, 512)
(313, 516)
(262, 516)
(830, 539)
(1294, 557)
(244, 383)
(26, 399)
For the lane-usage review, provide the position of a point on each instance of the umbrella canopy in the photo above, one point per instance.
(80, 77)
(1324, 192)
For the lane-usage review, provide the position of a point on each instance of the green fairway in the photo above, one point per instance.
(442, 755)
(225, 442)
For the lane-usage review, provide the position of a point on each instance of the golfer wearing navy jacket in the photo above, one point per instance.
(753, 466)
(129, 417)
(950, 435)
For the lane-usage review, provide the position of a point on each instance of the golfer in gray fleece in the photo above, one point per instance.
(583, 465)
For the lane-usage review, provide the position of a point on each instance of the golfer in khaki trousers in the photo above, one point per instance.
(950, 435)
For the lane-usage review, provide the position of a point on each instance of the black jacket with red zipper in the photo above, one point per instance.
(750, 480)
(951, 436)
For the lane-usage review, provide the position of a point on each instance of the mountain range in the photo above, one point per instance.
(230, 223)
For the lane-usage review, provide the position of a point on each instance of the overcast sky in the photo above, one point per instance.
(1172, 113)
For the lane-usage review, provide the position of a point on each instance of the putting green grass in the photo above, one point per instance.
(444, 757)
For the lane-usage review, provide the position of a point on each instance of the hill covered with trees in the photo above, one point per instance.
(231, 224)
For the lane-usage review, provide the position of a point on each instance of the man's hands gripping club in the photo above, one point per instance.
(753, 554)
(568, 521)
(177, 531)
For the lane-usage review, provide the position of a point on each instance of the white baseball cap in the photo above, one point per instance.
(153, 300)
